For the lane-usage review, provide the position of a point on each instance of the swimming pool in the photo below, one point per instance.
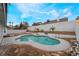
(39, 39)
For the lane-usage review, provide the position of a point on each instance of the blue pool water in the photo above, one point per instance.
(40, 39)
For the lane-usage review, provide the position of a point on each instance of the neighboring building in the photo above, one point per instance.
(63, 19)
(52, 21)
(38, 23)
(3, 19)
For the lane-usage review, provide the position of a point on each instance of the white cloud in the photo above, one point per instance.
(26, 9)
(45, 13)
(34, 10)
(24, 15)
(12, 18)
(30, 9)
(68, 14)
(22, 8)
(65, 10)
(54, 13)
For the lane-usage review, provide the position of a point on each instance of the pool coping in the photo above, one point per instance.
(63, 45)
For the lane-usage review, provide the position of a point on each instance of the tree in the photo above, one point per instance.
(48, 20)
(77, 18)
(23, 25)
(16, 27)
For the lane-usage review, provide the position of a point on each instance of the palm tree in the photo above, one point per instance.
(12, 25)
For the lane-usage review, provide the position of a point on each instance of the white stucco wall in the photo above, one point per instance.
(1, 32)
(61, 26)
(77, 30)
(15, 31)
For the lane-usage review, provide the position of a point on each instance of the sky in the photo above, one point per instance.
(40, 12)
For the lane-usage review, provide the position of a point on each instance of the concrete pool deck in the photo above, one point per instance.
(64, 45)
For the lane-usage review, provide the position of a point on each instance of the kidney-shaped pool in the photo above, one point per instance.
(39, 39)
